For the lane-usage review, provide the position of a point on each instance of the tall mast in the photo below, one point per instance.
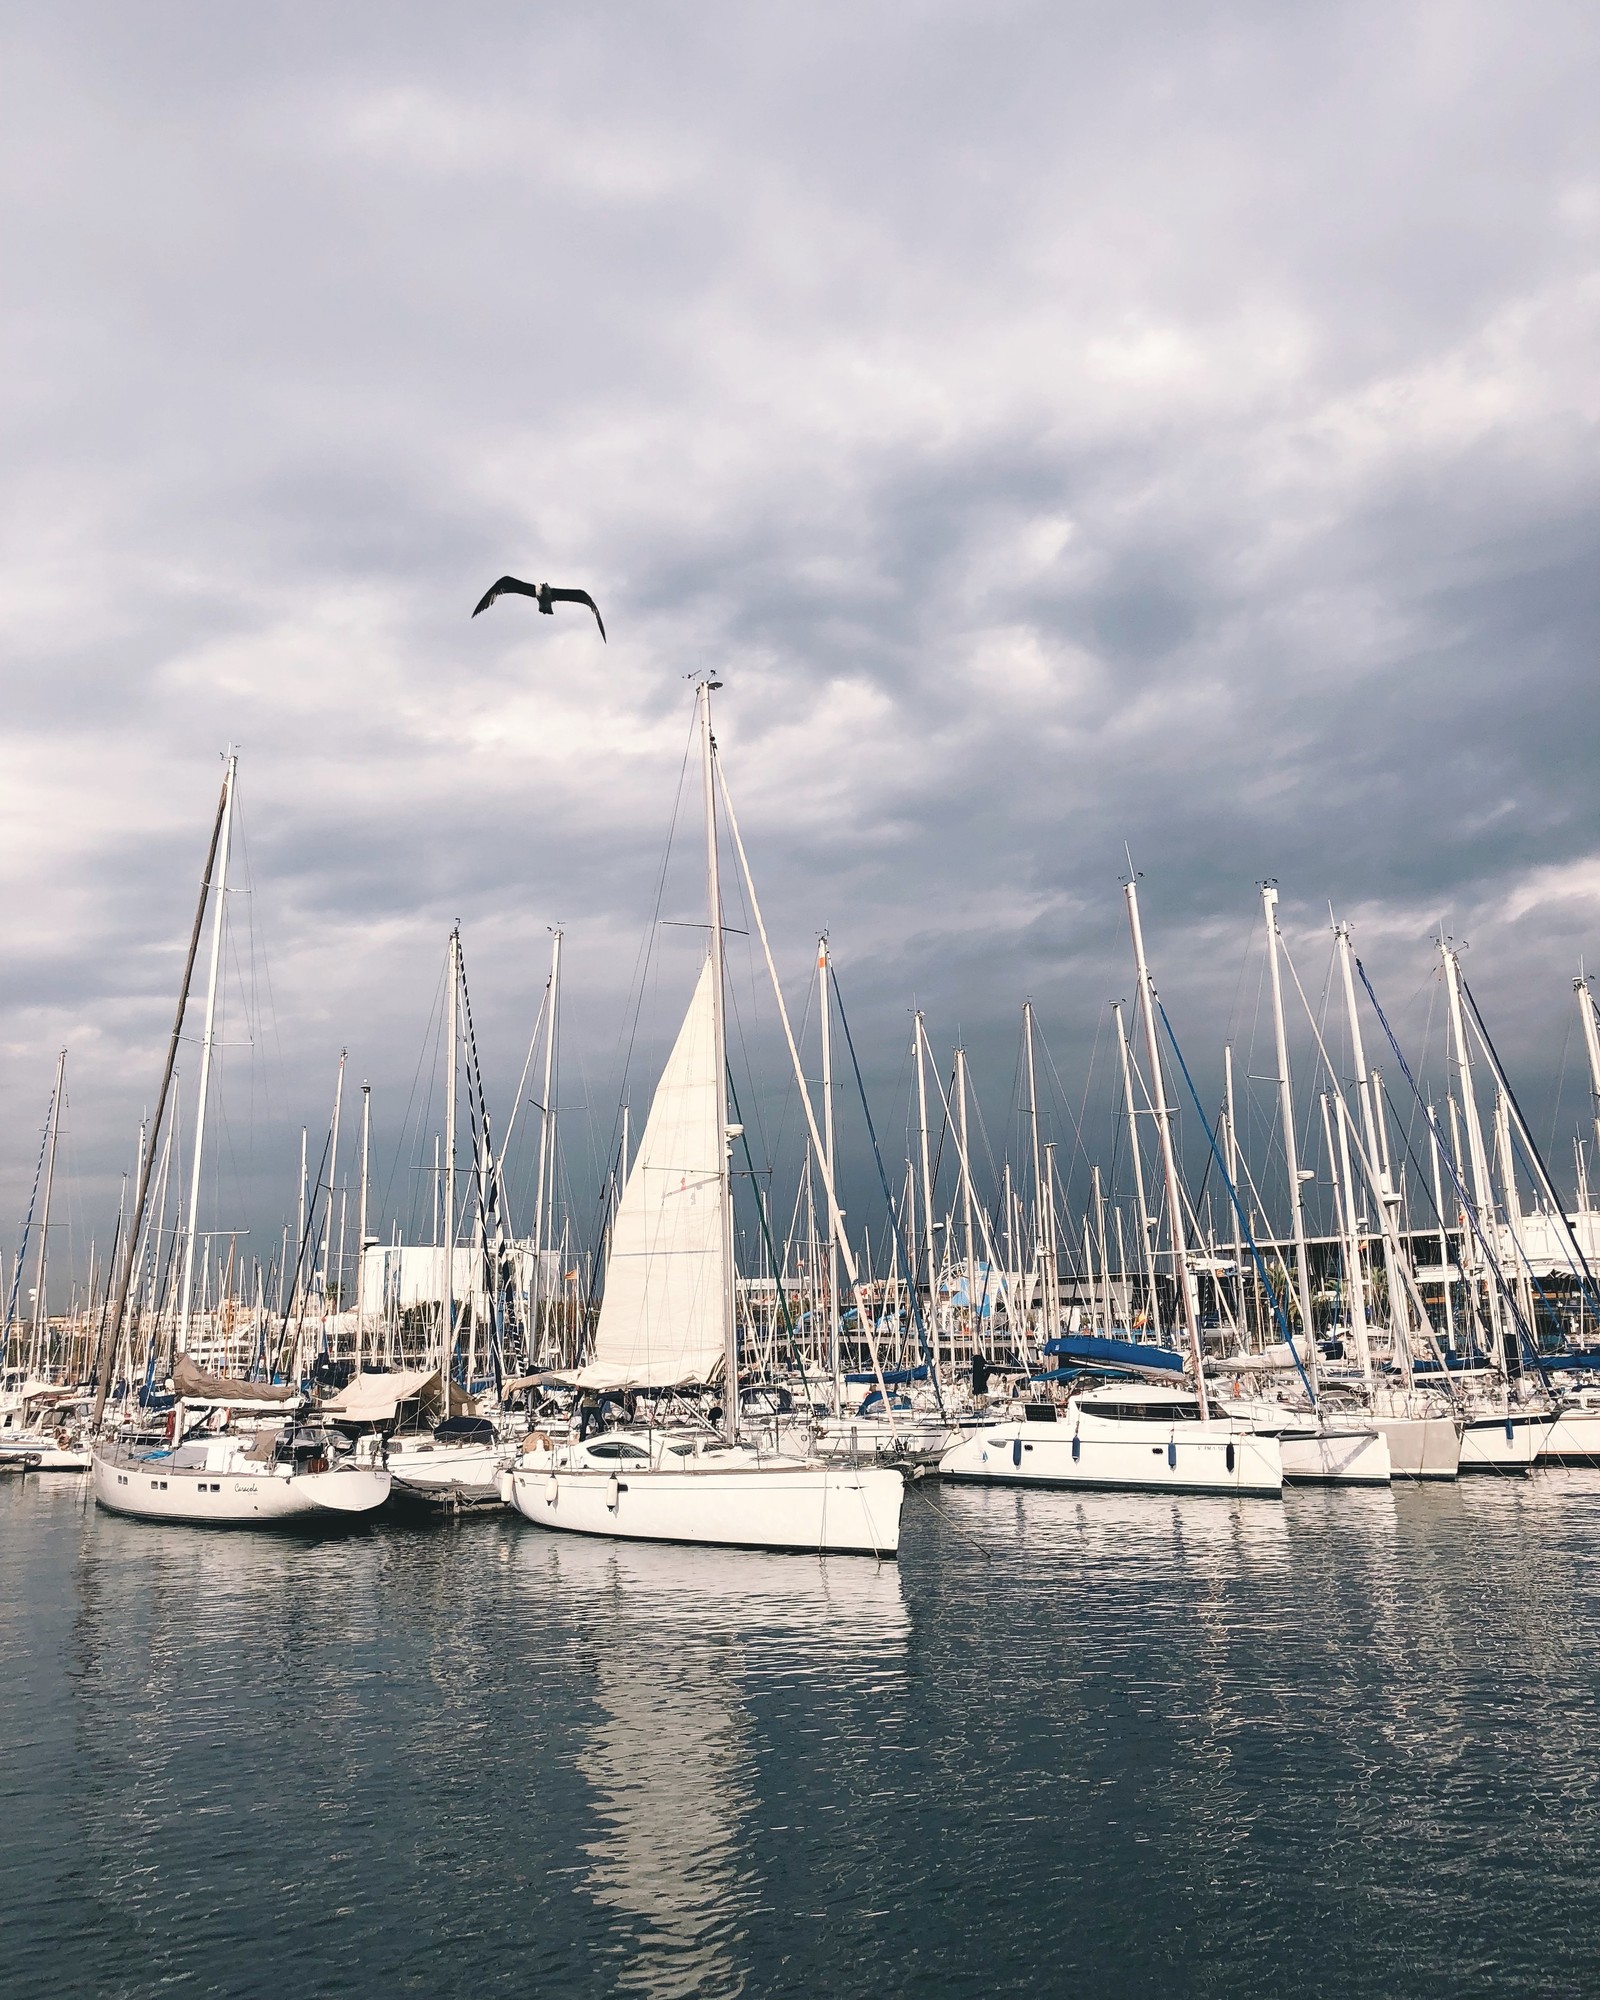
(1291, 1156)
(1233, 1181)
(730, 1328)
(547, 1136)
(825, 1013)
(41, 1310)
(1376, 1146)
(1169, 1163)
(447, 1331)
(1040, 1251)
(206, 1045)
(1591, 1042)
(966, 1196)
(1444, 1235)
(1146, 1233)
(1478, 1159)
(929, 1251)
(112, 1331)
(333, 1181)
(361, 1223)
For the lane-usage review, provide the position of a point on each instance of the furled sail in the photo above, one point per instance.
(661, 1317)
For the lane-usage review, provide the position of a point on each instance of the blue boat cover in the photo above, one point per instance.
(1115, 1353)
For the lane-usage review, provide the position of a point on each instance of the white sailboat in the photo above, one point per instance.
(667, 1321)
(277, 1471)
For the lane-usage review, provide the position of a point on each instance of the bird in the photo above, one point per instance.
(547, 595)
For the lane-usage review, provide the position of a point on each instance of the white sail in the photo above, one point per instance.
(662, 1315)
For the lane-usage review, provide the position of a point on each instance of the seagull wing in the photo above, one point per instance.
(499, 589)
(575, 597)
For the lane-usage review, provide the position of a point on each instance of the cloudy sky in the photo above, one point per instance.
(1060, 427)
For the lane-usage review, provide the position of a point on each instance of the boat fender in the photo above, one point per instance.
(1016, 1451)
(1230, 1454)
(552, 1490)
(1077, 1448)
(1511, 1430)
(1172, 1451)
(613, 1488)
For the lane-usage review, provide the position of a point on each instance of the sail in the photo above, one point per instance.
(662, 1315)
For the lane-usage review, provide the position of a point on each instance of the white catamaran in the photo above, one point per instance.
(667, 1321)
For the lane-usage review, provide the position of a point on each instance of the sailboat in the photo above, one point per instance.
(667, 1322)
(211, 1472)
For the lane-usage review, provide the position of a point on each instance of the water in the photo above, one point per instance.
(1086, 1744)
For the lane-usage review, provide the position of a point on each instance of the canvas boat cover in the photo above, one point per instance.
(197, 1384)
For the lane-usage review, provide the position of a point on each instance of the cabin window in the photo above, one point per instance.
(1146, 1413)
(615, 1448)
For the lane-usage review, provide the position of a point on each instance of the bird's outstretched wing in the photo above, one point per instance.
(545, 594)
(499, 589)
(574, 597)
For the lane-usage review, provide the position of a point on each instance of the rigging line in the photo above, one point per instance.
(1233, 1195)
(900, 1252)
(27, 1227)
(1467, 1206)
(405, 1122)
(1543, 1171)
(796, 1359)
(641, 967)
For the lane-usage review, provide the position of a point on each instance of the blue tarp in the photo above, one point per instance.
(1115, 1353)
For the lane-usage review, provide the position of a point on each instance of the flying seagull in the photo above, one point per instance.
(548, 597)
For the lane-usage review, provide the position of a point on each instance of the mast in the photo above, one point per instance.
(929, 1250)
(1040, 1251)
(966, 1196)
(547, 1137)
(333, 1182)
(730, 1329)
(1169, 1163)
(1376, 1146)
(1233, 1181)
(1591, 1042)
(1146, 1232)
(1291, 1157)
(112, 1331)
(825, 1012)
(41, 1312)
(1444, 1236)
(1478, 1159)
(361, 1223)
(447, 1330)
(207, 1043)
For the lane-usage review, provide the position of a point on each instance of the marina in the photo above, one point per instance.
(800, 1040)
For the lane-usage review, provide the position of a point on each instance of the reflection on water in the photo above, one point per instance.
(1122, 1743)
(682, 1639)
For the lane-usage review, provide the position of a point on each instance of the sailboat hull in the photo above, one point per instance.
(799, 1508)
(1122, 1457)
(1503, 1444)
(1573, 1439)
(1421, 1447)
(439, 1476)
(154, 1489)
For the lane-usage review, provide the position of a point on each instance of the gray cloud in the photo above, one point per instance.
(1060, 428)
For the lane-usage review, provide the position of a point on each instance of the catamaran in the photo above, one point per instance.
(667, 1322)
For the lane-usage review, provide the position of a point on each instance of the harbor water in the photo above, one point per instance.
(1086, 1744)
